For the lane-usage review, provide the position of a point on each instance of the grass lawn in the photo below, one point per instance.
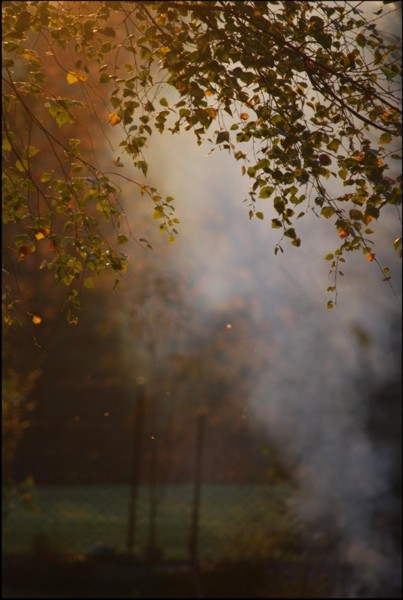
(236, 521)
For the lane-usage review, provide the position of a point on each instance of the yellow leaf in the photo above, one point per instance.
(28, 55)
(161, 20)
(39, 235)
(114, 118)
(165, 50)
(36, 320)
(74, 76)
(208, 93)
(212, 112)
(158, 213)
(71, 78)
(244, 116)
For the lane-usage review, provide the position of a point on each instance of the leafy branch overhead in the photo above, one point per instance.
(300, 93)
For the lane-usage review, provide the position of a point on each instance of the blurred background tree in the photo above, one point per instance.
(299, 93)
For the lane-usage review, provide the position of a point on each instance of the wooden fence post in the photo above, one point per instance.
(138, 425)
(193, 544)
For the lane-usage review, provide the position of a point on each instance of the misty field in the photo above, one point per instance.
(236, 521)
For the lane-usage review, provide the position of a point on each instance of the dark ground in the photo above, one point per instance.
(27, 577)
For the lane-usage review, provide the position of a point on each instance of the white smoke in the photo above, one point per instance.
(313, 396)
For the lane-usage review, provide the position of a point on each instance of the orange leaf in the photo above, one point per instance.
(23, 251)
(370, 256)
(244, 116)
(343, 233)
(212, 112)
(36, 320)
(114, 118)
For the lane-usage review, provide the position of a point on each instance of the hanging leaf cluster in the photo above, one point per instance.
(301, 94)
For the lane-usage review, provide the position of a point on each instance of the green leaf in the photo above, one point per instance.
(222, 136)
(21, 165)
(290, 233)
(324, 39)
(32, 151)
(109, 31)
(297, 199)
(46, 176)
(334, 145)
(361, 40)
(60, 115)
(260, 215)
(385, 138)
(327, 211)
(142, 165)
(122, 239)
(158, 213)
(6, 146)
(23, 22)
(279, 205)
(21, 239)
(104, 78)
(397, 243)
(88, 282)
(266, 192)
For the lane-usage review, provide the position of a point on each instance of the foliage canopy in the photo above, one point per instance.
(300, 93)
